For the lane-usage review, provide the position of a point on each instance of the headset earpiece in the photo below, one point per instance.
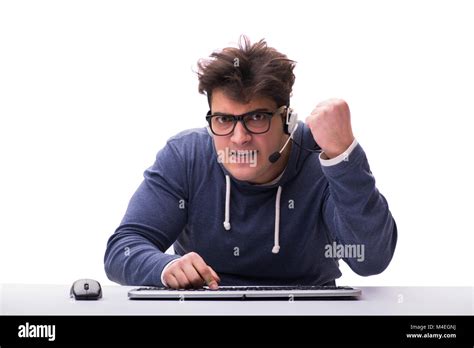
(291, 120)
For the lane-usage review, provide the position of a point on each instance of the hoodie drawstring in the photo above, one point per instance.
(227, 203)
(276, 246)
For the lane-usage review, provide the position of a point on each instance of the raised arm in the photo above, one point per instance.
(357, 215)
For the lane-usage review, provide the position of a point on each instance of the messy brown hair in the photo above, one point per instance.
(246, 72)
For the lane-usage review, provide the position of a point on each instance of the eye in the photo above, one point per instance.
(223, 119)
(258, 117)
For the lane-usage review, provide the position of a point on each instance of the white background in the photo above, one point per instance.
(91, 90)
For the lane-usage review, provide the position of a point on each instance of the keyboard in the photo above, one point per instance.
(246, 292)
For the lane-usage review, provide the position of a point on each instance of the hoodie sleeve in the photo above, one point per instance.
(357, 215)
(155, 217)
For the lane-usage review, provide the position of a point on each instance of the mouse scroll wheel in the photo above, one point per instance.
(86, 286)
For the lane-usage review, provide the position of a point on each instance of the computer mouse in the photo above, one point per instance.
(86, 289)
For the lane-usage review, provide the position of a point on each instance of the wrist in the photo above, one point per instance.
(163, 281)
(333, 153)
(344, 156)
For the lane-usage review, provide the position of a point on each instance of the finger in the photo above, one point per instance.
(182, 279)
(205, 271)
(171, 281)
(215, 274)
(213, 280)
(214, 283)
(320, 109)
(193, 276)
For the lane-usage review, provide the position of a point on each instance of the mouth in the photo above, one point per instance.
(238, 157)
(243, 153)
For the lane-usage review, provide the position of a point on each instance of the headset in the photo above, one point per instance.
(291, 121)
(290, 125)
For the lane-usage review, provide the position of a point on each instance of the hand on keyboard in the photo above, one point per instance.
(190, 271)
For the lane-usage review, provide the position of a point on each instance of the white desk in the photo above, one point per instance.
(21, 299)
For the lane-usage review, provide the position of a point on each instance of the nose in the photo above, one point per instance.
(240, 136)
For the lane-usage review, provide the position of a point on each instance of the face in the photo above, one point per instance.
(243, 154)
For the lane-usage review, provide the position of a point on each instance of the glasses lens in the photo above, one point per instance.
(258, 122)
(222, 125)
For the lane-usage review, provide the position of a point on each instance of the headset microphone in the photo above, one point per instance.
(289, 127)
(276, 155)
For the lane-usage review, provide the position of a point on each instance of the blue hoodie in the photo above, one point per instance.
(322, 210)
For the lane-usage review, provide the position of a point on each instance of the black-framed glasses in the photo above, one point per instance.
(255, 122)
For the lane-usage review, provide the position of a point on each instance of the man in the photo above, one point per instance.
(242, 203)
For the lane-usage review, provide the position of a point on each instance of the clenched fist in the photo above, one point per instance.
(190, 271)
(330, 124)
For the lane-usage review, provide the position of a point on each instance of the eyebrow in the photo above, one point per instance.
(247, 113)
